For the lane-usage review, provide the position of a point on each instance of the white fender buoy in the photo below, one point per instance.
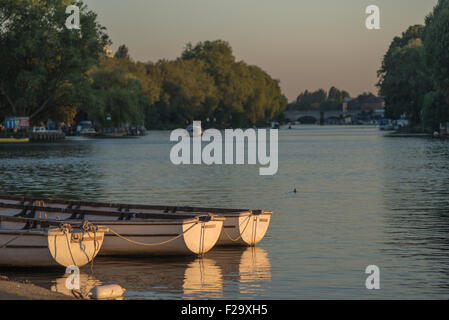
(111, 291)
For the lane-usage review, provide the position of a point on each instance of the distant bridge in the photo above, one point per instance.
(317, 116)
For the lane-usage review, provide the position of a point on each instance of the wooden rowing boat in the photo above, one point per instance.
(28, 242)
(134, 236)
(242, 227)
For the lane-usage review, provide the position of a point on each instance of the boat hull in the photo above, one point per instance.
(29, 251)
(160, 238)
(244, 229)
(48, 248)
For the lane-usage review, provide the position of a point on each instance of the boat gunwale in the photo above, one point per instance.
(31, 232)
(35, 232)
(50, 226)
(152, 222)
(136, 215)
(250, 212)
(183, 209)
(46, 222)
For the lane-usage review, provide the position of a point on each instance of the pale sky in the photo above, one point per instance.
(306, 44)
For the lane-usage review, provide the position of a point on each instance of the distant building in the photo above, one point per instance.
(367, 103)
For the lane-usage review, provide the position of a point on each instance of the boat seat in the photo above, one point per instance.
(27, 226)
(73, 216)
(30, 225)
(22, 213)
(32, 214)
(124, 215)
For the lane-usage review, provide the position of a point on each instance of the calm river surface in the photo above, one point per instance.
(363, 199)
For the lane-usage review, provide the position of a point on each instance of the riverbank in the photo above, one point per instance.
(400, 134)
(12, 290)
(25, 137)
(404, 134)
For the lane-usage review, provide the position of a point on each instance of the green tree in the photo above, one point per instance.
(188, 92)
(311, 100)
(40, 58)
(435, 110)
(320, 100)
(122, 53)
(404, 78)
(116, 92)
(436, 44)
(246, 95)
(336, 95)
(220, 64)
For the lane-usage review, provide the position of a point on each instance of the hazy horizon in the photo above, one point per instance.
(304, 44)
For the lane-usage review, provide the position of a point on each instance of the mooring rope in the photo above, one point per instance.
(90, 227)
(152, 244)
(241, 233)
(66, 228)
(87, 227)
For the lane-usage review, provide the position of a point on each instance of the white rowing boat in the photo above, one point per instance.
(24, 243)
(242, 227)
(136, 236)
(141, 237)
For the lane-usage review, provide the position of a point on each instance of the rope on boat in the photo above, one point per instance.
(241, 233)
(66, 228)
(90, 227)
(152, 244)
(87, 227)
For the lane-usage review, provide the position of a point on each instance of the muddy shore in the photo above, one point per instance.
(12, 290)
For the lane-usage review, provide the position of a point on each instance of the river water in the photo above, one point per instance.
(362, 199)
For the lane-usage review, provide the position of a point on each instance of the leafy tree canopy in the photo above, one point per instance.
(42, 61)
(404, 78)
(436, 43)
(320, 100)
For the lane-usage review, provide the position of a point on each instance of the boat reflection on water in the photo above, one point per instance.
(227, 269)
(254, 268)
(221, 274)
(245, 270)
(203, 278)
